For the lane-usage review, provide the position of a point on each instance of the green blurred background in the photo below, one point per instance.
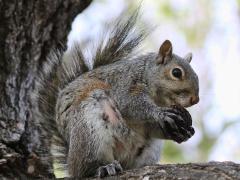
(208, 28)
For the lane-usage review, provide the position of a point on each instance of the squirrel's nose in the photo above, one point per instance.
(194, 100)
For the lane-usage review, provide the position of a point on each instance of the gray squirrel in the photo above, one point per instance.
(114, 116)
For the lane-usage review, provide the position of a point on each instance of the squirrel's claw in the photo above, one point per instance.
(109, 169)
(178, 124)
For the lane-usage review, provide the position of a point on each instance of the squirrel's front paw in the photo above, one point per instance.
(177, 124)
(109, 169)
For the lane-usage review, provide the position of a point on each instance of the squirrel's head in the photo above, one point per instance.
(171, 79)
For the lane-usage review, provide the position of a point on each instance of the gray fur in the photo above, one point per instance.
(119, 111)
(123, 39)
(70, 70)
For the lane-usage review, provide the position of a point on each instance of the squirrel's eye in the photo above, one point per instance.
(177, 73)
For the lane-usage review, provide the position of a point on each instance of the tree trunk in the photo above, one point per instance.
(191, 171)
(29, 29)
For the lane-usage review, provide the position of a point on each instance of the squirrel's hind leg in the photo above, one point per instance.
(97, 120)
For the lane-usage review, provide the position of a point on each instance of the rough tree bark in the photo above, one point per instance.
(191, 171)
(29, 29)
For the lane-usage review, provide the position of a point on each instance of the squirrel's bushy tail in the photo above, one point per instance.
(59, 70)
(119, 42)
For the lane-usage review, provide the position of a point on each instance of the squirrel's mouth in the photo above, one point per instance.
(186, 103)
(173, 101)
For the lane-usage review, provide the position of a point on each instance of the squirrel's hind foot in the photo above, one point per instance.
(109, 169)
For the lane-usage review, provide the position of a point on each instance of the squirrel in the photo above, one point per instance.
(114, 116)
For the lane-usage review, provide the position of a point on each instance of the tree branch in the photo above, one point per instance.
(191, 171)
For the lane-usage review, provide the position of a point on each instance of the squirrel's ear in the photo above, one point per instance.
(164, 51)
(188, 57)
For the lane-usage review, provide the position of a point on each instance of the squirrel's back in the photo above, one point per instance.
(61, 68)
(113, 115)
